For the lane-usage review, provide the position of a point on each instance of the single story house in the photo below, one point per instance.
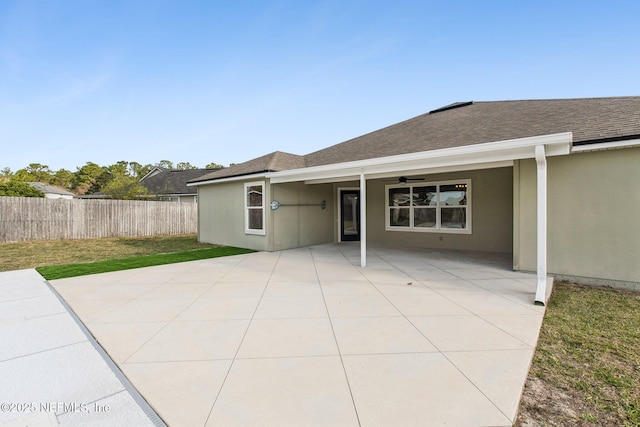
(52, 192)
(171, 184)
(553, 182)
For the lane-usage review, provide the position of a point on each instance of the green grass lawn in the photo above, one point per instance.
(54, 272)
(586, 368)
(57, 259)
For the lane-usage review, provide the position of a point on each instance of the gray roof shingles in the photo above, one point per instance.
(171, 181)
(274, 162)
(467, 123)
(50, 189)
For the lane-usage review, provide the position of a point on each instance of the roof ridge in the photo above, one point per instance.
(273, 161)
(557, 99)
(452, 106)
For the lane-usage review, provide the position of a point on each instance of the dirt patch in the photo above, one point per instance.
(545, 405)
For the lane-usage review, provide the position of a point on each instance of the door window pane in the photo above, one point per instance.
(350, 214)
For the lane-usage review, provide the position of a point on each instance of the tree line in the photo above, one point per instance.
(120, 180)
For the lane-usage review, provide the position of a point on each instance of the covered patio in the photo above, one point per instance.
(309, 337)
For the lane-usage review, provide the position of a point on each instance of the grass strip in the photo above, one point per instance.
(587, 363)
(55, 272)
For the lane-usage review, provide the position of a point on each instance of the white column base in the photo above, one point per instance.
(363, 220)
(541, 289)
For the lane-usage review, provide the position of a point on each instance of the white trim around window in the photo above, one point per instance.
(429, 207)
(254, 208)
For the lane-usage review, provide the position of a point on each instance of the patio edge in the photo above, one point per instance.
(137, 397)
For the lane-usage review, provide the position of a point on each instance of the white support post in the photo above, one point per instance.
(363, 220)
(541, 288)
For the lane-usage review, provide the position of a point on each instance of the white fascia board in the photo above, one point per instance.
(151, 172)
(490, 152)
(606, 146)
(230, 179)
(421, 171)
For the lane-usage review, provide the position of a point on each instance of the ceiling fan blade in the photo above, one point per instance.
(404, 179)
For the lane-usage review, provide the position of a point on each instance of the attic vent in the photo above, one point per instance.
(451, 107)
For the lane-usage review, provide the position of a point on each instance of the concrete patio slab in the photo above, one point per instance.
(347, 287)
(498, 378)
(221, 308)
(145, 310)
(268, 338)
(417, 389)
(185, 391)
(376, 335)
(124, 339)
(285, 392)
(53, 372)
(237, 289)
(293, 307)
(308, 337)
(193, 340)
(465, 333)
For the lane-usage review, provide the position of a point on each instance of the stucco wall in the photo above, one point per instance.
(593, 215)
(221, 216)
(492, 214)
(296, 226)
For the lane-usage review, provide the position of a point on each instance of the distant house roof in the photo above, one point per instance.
(161, 181)
(590, 120)
(51, 189)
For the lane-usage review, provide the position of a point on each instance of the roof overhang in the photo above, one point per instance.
(606, 145)
(469, 157)
(229, 179)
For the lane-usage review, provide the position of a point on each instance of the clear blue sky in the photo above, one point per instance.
(227, 81)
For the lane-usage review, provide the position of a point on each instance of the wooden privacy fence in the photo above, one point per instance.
(30, 218)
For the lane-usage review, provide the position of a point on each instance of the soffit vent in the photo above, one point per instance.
(451, 107)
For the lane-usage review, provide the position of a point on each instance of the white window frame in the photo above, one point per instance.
(437, 228)
(247, 208)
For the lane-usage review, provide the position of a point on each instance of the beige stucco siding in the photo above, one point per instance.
(593, 215)
(300, 220)
(491, 214)
(221, 216)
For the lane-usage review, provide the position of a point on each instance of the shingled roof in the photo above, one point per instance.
(274, 162)
(50, 189)
(170, 181)
(591, 120)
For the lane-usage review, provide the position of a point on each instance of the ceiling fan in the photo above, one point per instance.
(404, 179)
